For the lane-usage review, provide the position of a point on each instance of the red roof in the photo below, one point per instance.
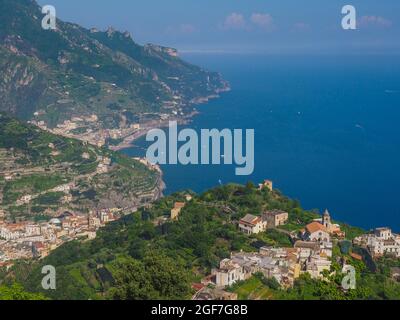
(198, 286)
(315, 226)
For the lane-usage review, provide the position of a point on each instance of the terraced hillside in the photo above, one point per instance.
(42, 174)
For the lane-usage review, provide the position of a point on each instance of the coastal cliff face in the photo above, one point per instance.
(53, 76)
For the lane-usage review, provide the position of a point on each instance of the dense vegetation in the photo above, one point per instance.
(17, 292)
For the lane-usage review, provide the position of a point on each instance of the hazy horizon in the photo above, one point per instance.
(243, 27)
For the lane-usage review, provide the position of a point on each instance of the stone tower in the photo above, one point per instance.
(326, 219)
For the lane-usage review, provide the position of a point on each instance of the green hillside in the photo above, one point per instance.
(34, 162)
(134, 258)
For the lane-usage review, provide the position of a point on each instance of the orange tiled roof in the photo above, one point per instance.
(315, 226)
(179, 205)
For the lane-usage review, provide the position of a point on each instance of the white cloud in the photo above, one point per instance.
(262, 20)
(235, 21)
(366, 21)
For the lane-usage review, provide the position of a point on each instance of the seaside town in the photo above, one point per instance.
(87, 129)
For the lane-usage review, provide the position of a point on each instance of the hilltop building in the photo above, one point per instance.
(266, 184)
(251, 224)
(276, 218)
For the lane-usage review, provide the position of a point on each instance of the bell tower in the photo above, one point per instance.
(326, 219)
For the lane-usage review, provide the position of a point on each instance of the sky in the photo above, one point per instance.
(245, 26)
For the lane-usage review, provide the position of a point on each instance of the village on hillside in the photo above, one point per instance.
(310, 253)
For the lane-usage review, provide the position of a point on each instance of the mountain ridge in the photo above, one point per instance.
(53, 76)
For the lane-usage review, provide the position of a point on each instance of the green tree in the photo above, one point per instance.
(17, 292)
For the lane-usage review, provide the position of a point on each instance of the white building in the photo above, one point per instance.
(380, 242)
(228, 273)
(252, 225)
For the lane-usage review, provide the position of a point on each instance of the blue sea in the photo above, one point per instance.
(327, 131)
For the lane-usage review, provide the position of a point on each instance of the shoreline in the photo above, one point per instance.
(182, 120)
(147, 126)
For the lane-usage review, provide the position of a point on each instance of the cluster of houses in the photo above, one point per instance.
(380, 242)
(25, 240)
(285, 265)
(311, 252)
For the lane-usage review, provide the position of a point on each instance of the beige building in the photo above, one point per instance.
(316, 265)
(276, 218)
(176, 210)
